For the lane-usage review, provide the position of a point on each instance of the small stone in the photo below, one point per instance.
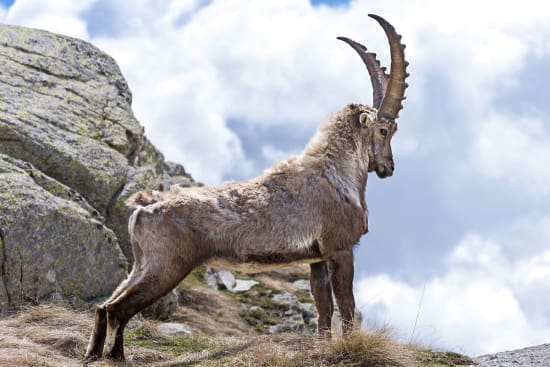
(284, 298)
(173, 328)
(243, 285)
(226, 278)
(209, 277)
(302, 285)
(50, 276)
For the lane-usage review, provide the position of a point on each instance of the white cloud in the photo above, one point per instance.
(514, 150)
(477, 305)
(3, 13)
(60, 16)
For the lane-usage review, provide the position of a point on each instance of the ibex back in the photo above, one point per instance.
(310, 208)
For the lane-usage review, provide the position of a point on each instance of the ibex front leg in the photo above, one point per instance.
(340, 267)
(322, 294)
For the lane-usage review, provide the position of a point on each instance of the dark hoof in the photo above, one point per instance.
(115, 356)
(88, 358)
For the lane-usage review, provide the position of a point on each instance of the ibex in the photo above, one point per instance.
(310, 208)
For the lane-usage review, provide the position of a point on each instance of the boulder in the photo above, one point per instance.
(66, 108)
(72, 153)
(51, 240)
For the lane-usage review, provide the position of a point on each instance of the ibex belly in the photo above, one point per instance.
(265, 260)
(252, 267)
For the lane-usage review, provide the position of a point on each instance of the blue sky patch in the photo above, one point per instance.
(7, 3)
(329, 2)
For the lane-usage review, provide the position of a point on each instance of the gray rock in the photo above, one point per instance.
(73, 152)
(242, 285)
(285, 298)
(298, 316)
(210, 278)
(226, 279)
(49, 242)
(302, 285)
(65, 108)
(527, 357)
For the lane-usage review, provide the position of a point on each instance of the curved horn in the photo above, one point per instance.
(378, 76)
(395, 93)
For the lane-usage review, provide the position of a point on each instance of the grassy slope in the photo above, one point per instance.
(223, 335)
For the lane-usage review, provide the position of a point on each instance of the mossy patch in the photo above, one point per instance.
(432, 358)
(259, 311)
(260, 319)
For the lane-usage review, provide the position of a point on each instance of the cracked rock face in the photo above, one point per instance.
(50, 240)
(71, 152)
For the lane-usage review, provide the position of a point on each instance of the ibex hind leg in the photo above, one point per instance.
(144, 292)
(94, 350)
(121, 308)
(97, 339)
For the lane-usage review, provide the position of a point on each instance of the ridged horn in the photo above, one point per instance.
(378, 76)
(395, 93)
(388, 90)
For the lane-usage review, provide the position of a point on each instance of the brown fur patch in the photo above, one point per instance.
(141, 198)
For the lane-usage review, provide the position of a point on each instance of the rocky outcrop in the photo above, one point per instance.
(71, 153)
(527, 357)
(295, 315)
(51, 240)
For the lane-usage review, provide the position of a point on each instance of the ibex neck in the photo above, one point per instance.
(336, 150)
(346, 172)
(350, 175)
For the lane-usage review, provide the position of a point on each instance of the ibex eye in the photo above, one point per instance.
(384, 132)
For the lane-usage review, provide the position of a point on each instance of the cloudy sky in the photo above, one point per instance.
(462, 228)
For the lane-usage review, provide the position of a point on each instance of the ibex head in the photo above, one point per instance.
(379, 123)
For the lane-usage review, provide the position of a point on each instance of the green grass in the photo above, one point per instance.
(145, 336)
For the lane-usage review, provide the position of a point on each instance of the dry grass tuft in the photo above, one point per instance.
(43, 336)
(360, 349)
(369, 349)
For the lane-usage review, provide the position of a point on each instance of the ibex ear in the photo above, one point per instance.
(366, 118)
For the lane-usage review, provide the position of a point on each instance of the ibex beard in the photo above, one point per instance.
(310, 209)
